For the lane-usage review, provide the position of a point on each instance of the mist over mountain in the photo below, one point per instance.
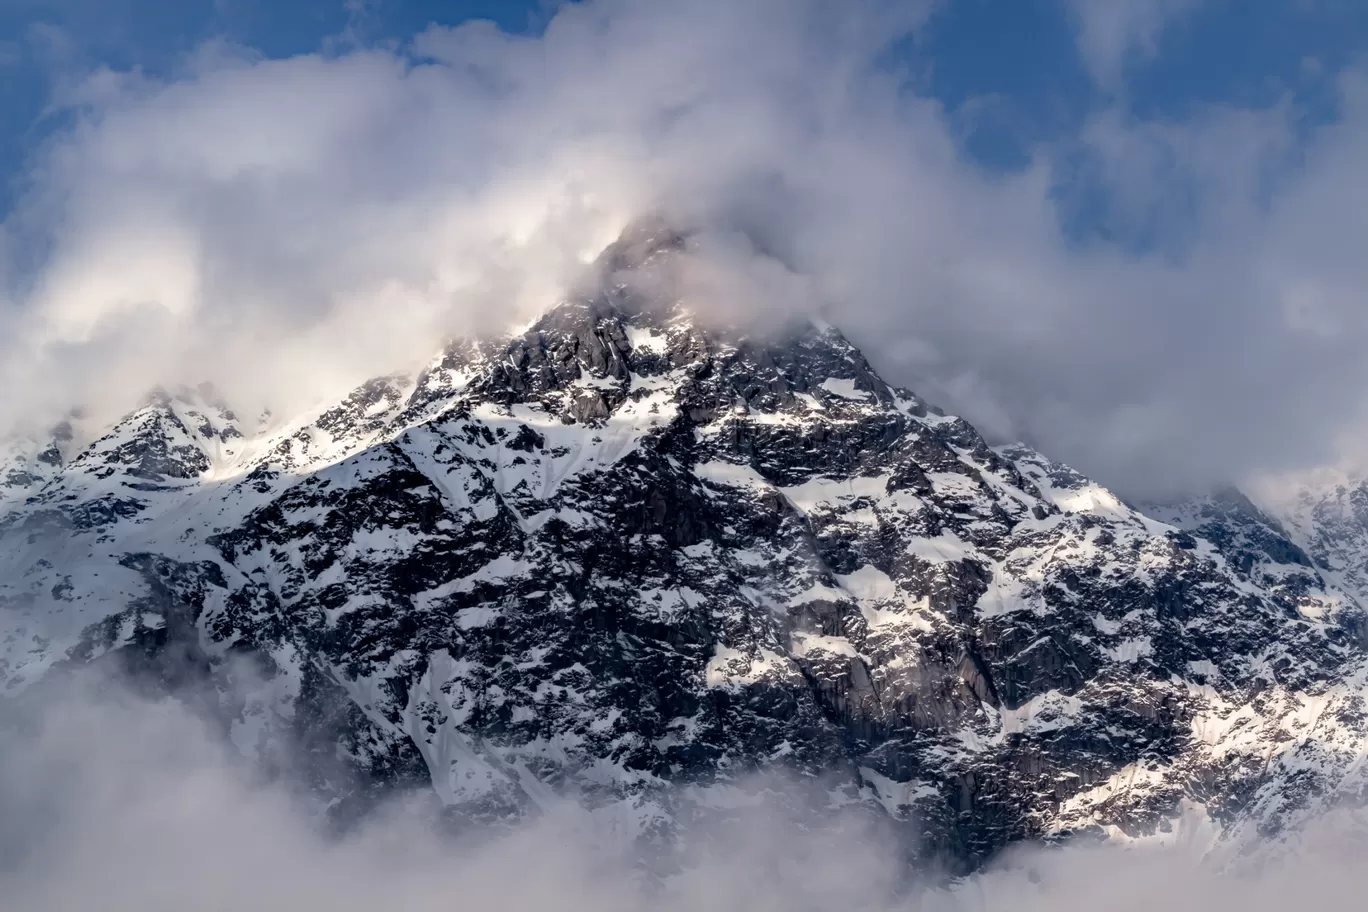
(282, 227)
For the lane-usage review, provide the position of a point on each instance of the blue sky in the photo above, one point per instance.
(1129, 230)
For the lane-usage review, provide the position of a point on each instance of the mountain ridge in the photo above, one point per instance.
(626, 556)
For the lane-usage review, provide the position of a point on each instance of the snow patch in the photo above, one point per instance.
(647, 340)
(843, 388)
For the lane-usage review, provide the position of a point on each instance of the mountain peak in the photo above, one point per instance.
(625, 552)
(643, 240)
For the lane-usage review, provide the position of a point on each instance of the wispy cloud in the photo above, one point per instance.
(1113, 33)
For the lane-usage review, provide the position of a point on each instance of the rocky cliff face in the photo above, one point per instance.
(631, 558)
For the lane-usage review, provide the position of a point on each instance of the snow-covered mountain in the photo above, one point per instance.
(632, 558)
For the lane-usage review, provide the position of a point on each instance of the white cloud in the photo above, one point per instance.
(283, 227)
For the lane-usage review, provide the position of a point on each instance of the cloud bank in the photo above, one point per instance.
(120, 802)
(285, 227)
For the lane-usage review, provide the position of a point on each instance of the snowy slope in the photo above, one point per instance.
(1326, 513)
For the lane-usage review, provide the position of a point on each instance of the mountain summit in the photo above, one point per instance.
(629, 558)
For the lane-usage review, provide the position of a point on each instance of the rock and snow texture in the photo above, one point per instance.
(626, 558)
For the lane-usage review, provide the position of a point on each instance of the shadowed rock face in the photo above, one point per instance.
(622, 553)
